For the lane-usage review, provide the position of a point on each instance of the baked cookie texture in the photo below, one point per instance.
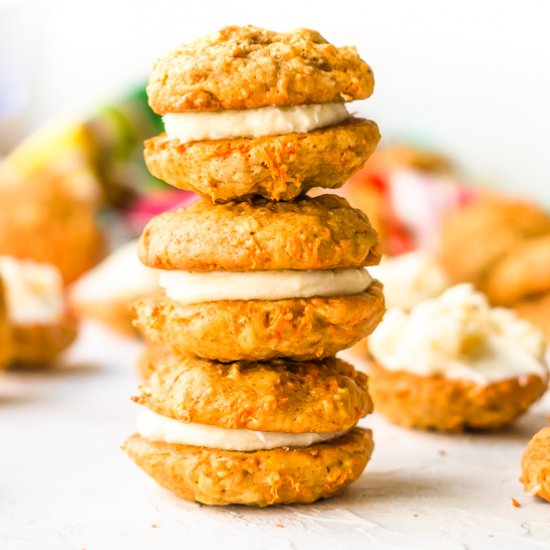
(522, 273)
(297, 328)
(40, 344)
(248, 68)
(276, 396)
(310, 233)
(275, 167)
(475, 237)
(258, 478)
(436, 403)
(535, 465)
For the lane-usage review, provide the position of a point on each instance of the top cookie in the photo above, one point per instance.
(248, 68)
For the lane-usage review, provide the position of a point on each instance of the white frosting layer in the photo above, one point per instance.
(120, 277)
(265, 121)
(195, 287)
(34, 291)
(459, 336)
(155, 427)
(410, 278)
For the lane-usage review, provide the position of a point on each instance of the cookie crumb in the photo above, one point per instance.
(154, 525)
(516, 503)
(280, 525)
(442, 452)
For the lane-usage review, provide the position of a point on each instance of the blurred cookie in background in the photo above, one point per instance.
(454, 363)
(408, 279)
(105, 292)
(537, 311)
(397, 177)
(475, 237)
(74, 186)
(40, 327)
(502, 246)
(49, 199)
(6, 344)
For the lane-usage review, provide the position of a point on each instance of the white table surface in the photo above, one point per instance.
(65, 483)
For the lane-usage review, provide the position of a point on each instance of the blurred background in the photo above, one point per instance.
(471, 79)
(462, 99)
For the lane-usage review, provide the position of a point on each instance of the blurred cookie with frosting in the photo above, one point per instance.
(39, 326)
(454, 363)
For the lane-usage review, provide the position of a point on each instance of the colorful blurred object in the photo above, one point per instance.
(74, 186)
(406, 192)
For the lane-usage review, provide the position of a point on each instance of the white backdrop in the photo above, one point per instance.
(470, 77)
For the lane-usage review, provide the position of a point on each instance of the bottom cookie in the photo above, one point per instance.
(437, 403)
(257, 478)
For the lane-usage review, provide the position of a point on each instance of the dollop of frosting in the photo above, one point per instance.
(459, 336)
(34, 291)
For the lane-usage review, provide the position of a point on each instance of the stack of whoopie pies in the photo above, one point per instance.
(261, 285)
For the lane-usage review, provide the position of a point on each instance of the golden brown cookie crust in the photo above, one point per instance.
(276, 396)
(434, 403)
(299, 328)
(248, 67)
(259, 478)
(310, 233)
(475, 237)
(535, 465)
(274, 167)
(38, 345)
(523, 272)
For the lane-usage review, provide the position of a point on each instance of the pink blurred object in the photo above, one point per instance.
(420, 201)
(149, 206)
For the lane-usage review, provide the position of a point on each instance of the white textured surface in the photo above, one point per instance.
(64, 482)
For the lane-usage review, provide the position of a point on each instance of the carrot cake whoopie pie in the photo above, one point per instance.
(276, 279)
(265, 433)
(454, 363)
(260, 286)
(254, 112)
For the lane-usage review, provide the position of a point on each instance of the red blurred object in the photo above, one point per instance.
(149, 206)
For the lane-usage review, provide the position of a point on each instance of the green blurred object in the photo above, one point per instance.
(116, 133)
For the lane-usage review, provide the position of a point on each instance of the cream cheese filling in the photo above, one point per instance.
(195, 287)
(155, 427)
(252, 123)
(459, 336)
(34, 291)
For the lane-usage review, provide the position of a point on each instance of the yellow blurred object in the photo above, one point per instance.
(49, 198)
